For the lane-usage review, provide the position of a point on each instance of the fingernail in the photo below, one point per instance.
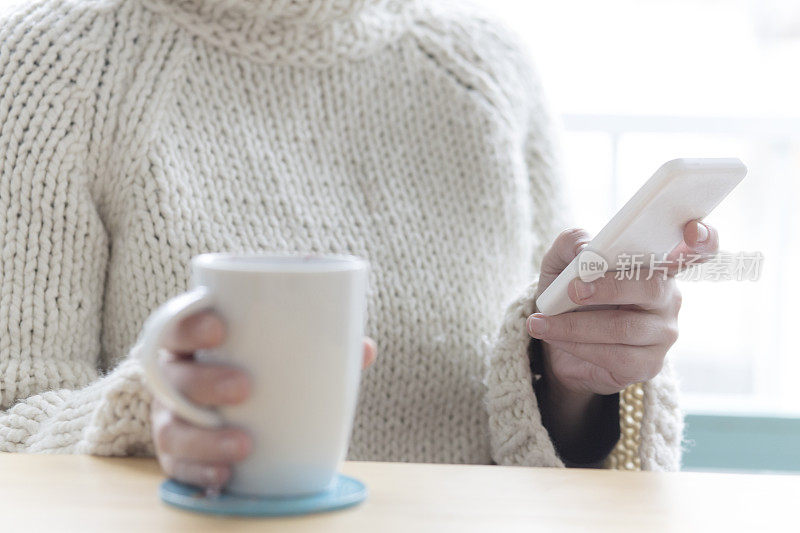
(205, 328)
(229, 388)
(213, 493)
(702, 232)
(231, 447)
(537, 324)
(198, 472)
(210, 474)
(583, 289)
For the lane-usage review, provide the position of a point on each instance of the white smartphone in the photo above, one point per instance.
(650, 223)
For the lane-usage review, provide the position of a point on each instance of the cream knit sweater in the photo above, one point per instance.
(135, 134)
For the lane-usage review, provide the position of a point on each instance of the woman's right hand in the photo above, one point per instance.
(193, 454)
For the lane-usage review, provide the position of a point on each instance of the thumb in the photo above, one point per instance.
(567, 245)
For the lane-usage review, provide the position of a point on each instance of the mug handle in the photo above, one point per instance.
(150, 346)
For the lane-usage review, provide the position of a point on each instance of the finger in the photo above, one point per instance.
(700, 244)
(628, 364)
(370, 352)
(200, 330)
(176, 437)
(682, 258)
(654, 293)
(207, 383)
(208, 475)
(564, 249)
(618, 326)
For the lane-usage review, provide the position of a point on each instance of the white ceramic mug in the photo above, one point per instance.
(295, 324)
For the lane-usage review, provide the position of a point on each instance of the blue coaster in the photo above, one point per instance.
(344, 492)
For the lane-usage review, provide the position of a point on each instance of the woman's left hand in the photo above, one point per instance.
(623, 337)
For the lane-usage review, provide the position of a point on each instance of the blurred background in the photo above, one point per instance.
(639, 82)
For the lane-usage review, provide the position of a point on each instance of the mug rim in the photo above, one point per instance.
(283, 262)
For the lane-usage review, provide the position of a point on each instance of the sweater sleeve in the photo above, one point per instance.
(54, 248)
(650, 420)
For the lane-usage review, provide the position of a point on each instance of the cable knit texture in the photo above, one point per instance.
(135, 134)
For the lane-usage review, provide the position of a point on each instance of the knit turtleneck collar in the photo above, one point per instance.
(292, 31)
(275, 11)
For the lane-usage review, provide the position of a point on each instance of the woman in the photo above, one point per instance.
(139, 133)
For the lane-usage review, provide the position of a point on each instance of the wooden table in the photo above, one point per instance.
(80, 493)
